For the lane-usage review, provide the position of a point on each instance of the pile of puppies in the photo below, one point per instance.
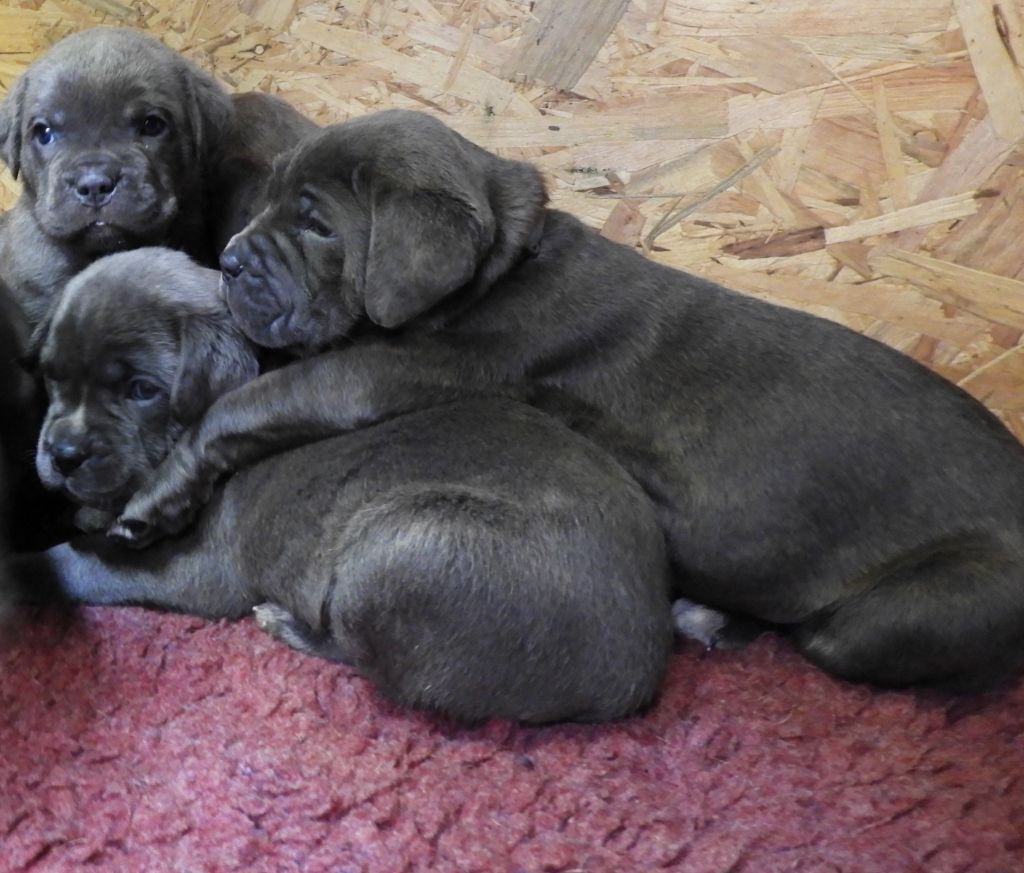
(430, 427)
(119, 143)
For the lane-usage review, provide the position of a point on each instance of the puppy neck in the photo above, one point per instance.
(34, 266)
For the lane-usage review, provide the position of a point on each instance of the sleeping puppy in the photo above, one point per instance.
(118, 141)
(804, 475)
(476, 558)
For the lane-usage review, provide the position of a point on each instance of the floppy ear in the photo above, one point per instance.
(423, 246)
(518, 198)
(11, 111)
(209, 112)
(215, 358)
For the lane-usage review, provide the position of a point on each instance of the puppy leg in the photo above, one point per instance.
(303, 402)
(92, 572)
(953, 618)
(286, 628)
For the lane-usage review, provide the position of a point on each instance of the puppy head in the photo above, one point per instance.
(382, 217)
(135, 349)
(107, 131)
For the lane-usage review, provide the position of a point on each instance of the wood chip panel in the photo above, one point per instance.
(859, 159)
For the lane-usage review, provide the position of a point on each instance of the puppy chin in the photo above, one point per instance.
(261, 318)
(114, 228)
(90, 490)
(101, 238)
(87, 231)
(97, 236)
(107, 501)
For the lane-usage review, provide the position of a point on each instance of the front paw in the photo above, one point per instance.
(714, 629)
(697, 622)
(165, 506)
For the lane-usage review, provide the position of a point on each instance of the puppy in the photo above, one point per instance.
(118, 141)
(476, 558)
(804, 475)
(262, 127)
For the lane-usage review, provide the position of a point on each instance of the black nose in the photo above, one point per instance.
(68, 456)
(94, 186)
(230, 265)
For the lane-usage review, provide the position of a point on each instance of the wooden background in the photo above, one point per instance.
(855, 158)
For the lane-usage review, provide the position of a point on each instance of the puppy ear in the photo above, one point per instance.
(215, 358)
(423, 246)
(11, 112)
(518, 198)
(209, 112)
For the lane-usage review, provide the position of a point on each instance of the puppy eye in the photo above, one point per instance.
(143, 390)
(152, 125)
(42, 133)
(315, 226)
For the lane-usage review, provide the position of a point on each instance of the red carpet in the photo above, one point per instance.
(133, 741)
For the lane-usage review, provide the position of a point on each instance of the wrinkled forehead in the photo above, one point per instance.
(405, 149)
(330, 155)
(290, 171)
(315, 170)
(93, 87)
(104, 340)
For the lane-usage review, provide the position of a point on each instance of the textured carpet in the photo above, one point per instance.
(134, 741)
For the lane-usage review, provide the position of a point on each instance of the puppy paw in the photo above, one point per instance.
(165, 506)
(698, 622)
(285, 627)
(716, 630)
(132, 533)
(271, 618)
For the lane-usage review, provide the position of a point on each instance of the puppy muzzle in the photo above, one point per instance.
(84, 466)
(94, 183)
(261, 294)
(104, 201)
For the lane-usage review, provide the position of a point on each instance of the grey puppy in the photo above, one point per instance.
(262, 127)
(804, 475)
(477, 558)
(118, 141)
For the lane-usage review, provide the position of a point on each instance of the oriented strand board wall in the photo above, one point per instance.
(855, 158)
